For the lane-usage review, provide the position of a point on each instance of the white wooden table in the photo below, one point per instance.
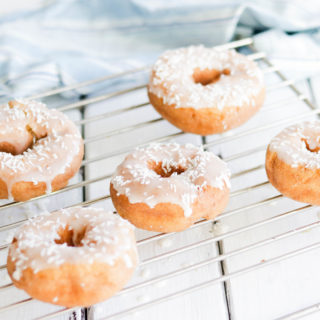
(181, 275)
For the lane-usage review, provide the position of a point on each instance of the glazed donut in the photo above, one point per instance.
(293, 162)
(40, 150)
(205, 91)
(167, 187)
(73, 257)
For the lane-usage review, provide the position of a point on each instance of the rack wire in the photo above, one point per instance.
(283, 82)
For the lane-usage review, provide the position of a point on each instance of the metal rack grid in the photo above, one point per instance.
(284, 82)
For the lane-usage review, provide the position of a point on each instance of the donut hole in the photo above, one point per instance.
(208, 76)
(11, 148)
(35, 137)
(165, 171)
(70, 237)
(309, 148)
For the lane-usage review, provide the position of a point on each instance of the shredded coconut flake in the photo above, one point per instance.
(46, 159)
(293, 145)
(172, 78)
(139, 183)
(105, 239)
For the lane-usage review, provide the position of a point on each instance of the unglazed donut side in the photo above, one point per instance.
(72, 285)
(206, 121)
(298, 183)
(168, 217)
(73, 257)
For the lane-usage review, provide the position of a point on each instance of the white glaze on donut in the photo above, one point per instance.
(291, 145)
(106, 239)
(134, 179)
(173, 81)
(59, 141)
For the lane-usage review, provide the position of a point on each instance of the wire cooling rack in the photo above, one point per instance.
(282, 82)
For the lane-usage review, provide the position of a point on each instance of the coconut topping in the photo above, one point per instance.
(299, 145)
(45, 143)
(228, 78)
(92, 235)
(169, 173)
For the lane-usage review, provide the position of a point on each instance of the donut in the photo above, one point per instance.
(168, 187)
(205, 91)
(73, 257)
(40, 150)
(293, 162)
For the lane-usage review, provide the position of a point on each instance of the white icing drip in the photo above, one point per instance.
(134, 179)
(290, 145)
(127, 261)
(106, 238)
(172, 78)
(17, 274)
(60, 141)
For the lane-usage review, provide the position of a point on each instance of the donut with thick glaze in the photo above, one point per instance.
(293, 162)
(168, 187)
(40, 150)
(205, 91)
(73, 257)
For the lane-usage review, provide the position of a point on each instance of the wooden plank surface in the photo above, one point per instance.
(267, 293)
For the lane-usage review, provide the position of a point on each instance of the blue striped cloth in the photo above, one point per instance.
(60, 42)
